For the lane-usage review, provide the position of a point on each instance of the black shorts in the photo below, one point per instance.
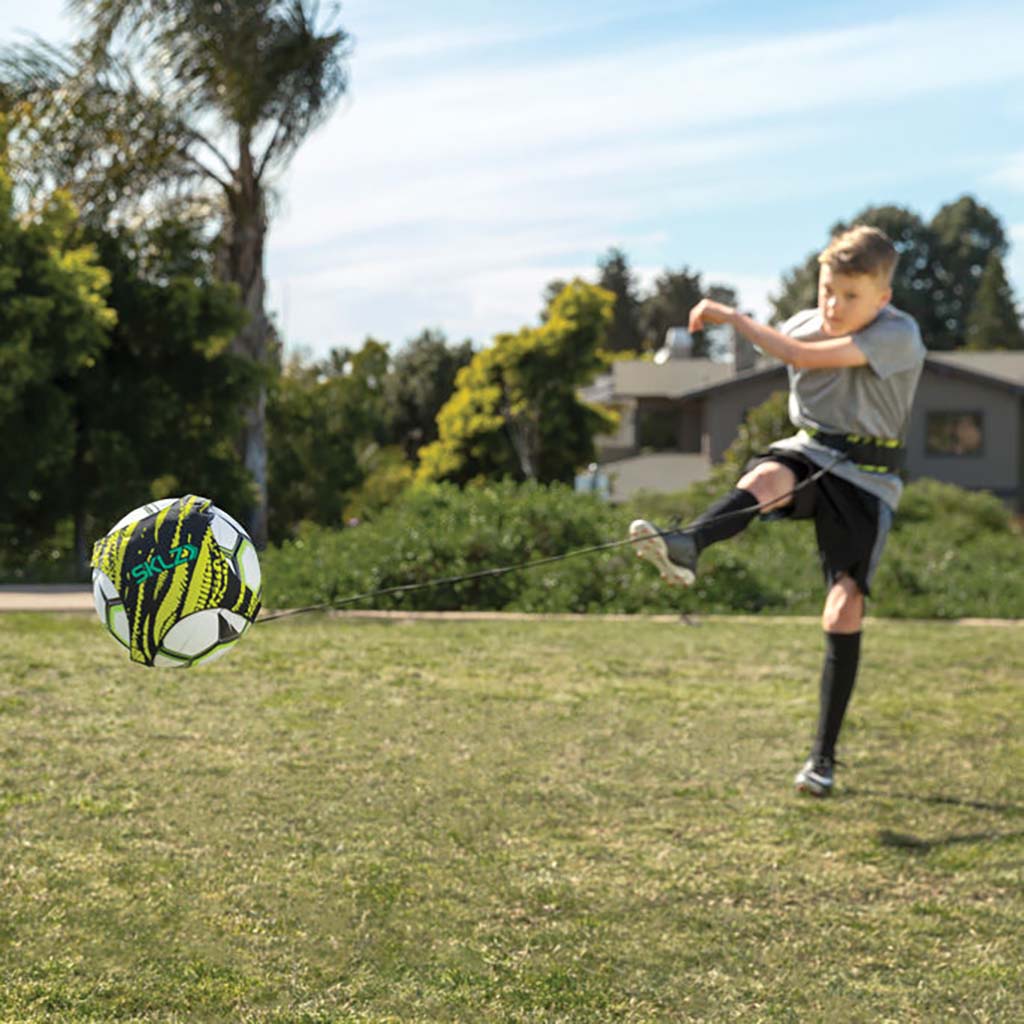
(851, 524)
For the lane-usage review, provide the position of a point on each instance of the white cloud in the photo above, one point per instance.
(754, 290)
(474, 185)
(1010, 173)
(1015, 261)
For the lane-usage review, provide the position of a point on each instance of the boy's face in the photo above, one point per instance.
(848, 302)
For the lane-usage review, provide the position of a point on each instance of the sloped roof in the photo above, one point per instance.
(642, 379)
(681, 378)
(1006, 368)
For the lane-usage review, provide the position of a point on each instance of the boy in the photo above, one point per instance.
(854, 363)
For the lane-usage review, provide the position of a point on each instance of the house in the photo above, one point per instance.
(678, 418)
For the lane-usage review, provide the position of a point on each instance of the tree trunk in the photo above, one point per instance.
(82, 553)
(246, 237)
(523, 435)
(83, 487)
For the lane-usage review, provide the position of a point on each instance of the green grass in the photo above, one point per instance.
(509, 821)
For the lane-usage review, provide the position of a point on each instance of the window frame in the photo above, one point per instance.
(978, 453)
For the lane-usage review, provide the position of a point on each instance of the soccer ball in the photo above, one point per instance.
(177, 582)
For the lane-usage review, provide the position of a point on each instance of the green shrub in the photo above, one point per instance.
(952, 553)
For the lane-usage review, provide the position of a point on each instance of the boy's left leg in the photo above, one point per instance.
(852, 526)
(769, 486)
(841, 620)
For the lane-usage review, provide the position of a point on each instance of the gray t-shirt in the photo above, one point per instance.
(872, 400)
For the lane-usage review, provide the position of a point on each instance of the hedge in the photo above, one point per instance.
(952, 553)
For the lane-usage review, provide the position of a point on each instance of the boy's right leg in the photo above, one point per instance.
(765, 488)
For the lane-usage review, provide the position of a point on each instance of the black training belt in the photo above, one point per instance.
(870, 454)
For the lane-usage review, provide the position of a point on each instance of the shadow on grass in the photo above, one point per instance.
(915, 844)
(1012, 810)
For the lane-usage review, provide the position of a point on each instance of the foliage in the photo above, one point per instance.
(669, 303)
(54, 324)
(515, 411)
(641, 320)
(674, 294)
(953, 553)
(158, 412)
(420, 380)
(969, 237)
(994, 321)
(388, 475)
(324, 417)
(152, 95)
(199, 101)
(939, 271)
(615, 276)
(551, 292)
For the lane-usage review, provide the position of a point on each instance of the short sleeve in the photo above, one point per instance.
(798, 323)
(892, 343)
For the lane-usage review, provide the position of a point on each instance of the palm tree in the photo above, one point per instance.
(196, 101)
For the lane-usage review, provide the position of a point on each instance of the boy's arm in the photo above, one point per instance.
(832, 353)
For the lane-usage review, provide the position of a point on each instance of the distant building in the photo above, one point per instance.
(679, 417)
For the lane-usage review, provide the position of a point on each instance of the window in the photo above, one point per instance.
(955, 433)
(657, 429)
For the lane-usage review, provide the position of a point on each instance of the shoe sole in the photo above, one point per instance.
(812, 788)
(651, 547)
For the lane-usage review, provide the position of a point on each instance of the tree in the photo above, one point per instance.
(420, 381)
(674, 294)
(968, 234)
(937, 274)
(993, 321)
(551, 292)
(616, 277)
(54, 324)
(190, 95)
(515, 410)
(157, 410)
(917, 284)
(327, 422)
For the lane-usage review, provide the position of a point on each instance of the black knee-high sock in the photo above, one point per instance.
(725, 518)
(838, 674)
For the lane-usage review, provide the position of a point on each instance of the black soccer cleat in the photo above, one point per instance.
(672, 553)
(817, 776)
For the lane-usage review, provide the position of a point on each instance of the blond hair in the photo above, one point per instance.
(861, 250)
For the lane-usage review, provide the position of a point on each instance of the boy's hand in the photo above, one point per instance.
(707, 311)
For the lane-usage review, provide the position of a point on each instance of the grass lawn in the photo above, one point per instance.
(509, 821)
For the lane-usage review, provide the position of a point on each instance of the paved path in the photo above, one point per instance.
(77, 597)
(49, 597)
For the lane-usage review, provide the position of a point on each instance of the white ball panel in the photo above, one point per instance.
(117, 623)
(141, 512)
(249, 566)
(101, 581)
(232, 522)
(99, 598)
(193, 634)
(224, 532)
(239, 622)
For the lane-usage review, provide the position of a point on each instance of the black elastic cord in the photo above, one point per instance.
(408, 588)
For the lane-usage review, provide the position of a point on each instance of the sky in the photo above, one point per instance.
(484, 149)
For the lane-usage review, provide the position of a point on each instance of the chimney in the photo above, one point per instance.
(678, 345)
(744, 355)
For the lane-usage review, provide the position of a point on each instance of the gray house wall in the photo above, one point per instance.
(706, 420)
(998, 466)
(725, 412)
